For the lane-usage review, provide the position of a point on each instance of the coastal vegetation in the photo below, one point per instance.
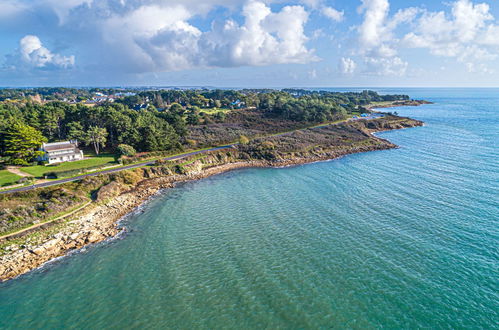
(256, 128)
(38, 230)
(22, 209)
(162, 120)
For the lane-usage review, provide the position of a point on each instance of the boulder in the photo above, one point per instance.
(93, 236)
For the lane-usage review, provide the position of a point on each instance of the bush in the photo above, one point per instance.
(243, 139)
(28, 179)
(69, 173)
(125, 150)
(180, 169)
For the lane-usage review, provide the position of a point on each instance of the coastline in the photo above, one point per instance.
(100, 220)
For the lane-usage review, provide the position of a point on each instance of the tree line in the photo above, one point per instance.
(154, 120)
(108, 125)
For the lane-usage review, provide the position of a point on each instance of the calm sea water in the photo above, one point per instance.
(404, 238)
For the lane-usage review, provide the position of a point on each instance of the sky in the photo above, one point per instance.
(250, 43)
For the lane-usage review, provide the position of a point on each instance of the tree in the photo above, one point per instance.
(220, 117)
(193, 119)
(21, 143)
(125, 150)
(177, 109)
(75, 131)
(97, 137)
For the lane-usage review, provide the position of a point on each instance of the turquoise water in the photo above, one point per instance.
(404, 238)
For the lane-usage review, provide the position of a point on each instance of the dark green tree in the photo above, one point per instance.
(21, 144)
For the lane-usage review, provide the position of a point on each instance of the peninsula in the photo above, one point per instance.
(139, 142)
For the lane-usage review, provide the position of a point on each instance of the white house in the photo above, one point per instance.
(59, 152)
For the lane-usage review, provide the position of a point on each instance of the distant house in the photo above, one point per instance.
(238, 104)
(142, 106)
(59, 152)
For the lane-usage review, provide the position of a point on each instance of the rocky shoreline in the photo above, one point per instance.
(395, 104)
(99, 221)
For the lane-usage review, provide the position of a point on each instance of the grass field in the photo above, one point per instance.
(212, 111)
(39, 170)
(7, 178)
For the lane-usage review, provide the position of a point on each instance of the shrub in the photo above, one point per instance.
(243, 139)
(69, 173)
(180, 169)
(125, 150)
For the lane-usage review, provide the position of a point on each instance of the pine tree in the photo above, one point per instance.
(21, 144)
(97, 137)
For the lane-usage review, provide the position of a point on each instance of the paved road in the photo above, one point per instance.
(112, 170)
(76, 178)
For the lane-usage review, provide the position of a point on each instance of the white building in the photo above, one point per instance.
(59, 152)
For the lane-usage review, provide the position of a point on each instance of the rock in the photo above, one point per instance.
(74, 236)
(38, 250)
(93, 237)
(50, 245)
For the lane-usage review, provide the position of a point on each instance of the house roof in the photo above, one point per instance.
(59, 146)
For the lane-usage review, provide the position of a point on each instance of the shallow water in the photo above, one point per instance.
(403, 238)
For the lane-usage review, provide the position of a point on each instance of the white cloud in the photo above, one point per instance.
(33, 55)
(62, 8)
(333, 14)
(465, 34)
(386, 66)
(372, 31)
(156, 38)
(10, 8)
(312, 3)
(377, 40)
(444, 36)
(347, 66)
(490, 37)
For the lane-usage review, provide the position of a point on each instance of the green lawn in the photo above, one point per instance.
(212, 111)
(7, 178)
(40, 170)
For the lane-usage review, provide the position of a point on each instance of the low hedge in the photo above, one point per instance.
(70, 173)
(152, 154)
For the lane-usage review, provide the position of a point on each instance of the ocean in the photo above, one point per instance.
(402, 238)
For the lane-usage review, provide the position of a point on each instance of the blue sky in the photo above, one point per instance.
(249, 43)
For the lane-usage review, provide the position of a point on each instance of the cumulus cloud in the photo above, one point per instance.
(158, 35)
(347, 66)
(466, 34)
(372, 30)
(161, 38)
(333, 14)
(140, 36)
(377, 39)
(33, 55)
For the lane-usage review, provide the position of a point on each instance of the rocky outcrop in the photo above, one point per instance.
(394, 104)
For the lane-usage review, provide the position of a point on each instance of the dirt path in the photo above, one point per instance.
(16, 171)
(45, 223)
